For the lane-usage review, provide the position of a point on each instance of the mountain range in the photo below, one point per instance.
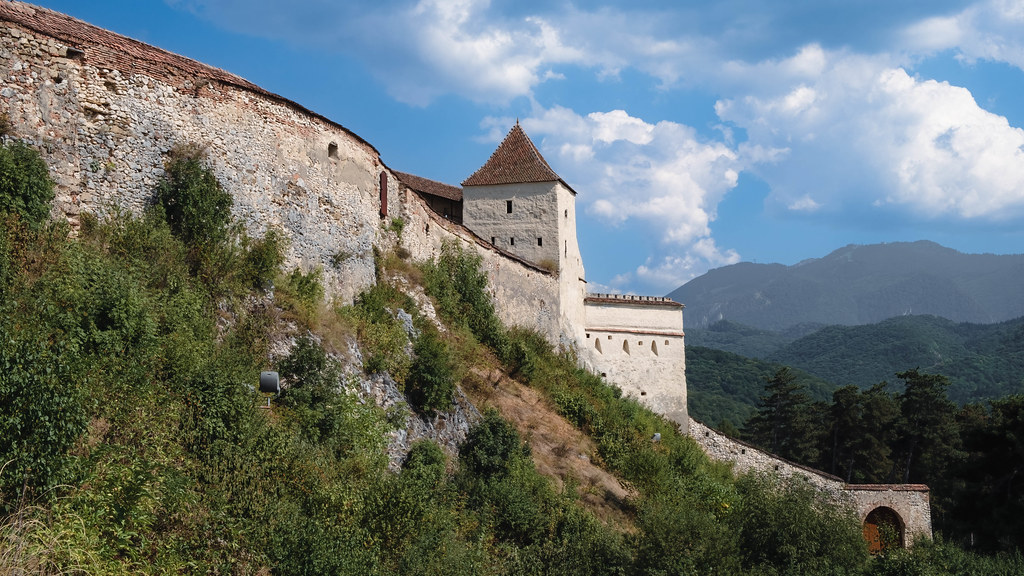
(859, 285)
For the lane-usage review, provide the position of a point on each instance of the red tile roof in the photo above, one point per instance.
(105, 49)
(516, 161)
(432, 187)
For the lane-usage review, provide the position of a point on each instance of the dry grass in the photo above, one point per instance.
(560, 451)
(32, 543)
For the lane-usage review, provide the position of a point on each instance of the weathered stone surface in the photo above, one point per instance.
(909, 501)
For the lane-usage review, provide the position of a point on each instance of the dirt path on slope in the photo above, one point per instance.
(560, 451)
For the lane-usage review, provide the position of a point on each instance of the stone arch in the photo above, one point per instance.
(625, 345)
(884, 529)
(654, 347)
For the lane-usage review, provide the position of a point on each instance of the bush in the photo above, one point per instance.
(25, 185)
(458, 284)
(790, 524)
(431, 380)
(42, 411)
(263, 258)
(492, 448)
(197, 206)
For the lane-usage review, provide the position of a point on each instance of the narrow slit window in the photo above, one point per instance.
(493, 240)
(508, 206)
(512, 241)
(654, 347)
(540, 241)
(332, 150)
(625, 346)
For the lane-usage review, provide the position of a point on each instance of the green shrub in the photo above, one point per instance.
(25, 185)
(431, 380)
(790, 524)
(307, 288)
(264, 257)
(42, 411)
(381, 334)
(492, 448)
(197, 206)
(458, 284)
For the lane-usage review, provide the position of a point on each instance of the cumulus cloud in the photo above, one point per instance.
(860, 133)
(989, 30)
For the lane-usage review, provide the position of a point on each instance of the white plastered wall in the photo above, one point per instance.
(640, 348)
(529, 231)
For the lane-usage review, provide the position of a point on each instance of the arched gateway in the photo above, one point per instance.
(884, 529)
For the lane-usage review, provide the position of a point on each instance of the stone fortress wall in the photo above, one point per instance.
(105, 110)
(910, 502)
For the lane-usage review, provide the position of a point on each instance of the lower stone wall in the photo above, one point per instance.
(909, 501)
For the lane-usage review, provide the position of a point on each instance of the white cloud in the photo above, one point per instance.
(988, 30)
(804, 204)
(864, 133)
(659, 173)
(671, 272)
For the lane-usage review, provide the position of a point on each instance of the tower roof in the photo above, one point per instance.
(516, 161)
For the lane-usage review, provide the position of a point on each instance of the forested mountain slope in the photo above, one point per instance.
(859, 285)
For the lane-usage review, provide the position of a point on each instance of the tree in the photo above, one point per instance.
(990, 507)
(859, 433)
(928, 433)
(787, 423)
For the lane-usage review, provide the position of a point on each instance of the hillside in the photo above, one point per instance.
(725, 386)
(983, 361)
(859, 285)
(134, 440)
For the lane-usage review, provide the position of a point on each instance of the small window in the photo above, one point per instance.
(540, 241)
(643, 393)
(625, 346)
(566, 247)
(332, 150)
(654, 347)
(508, 206)
(567, 213)
(609, 336)
(511, 241)
(493, 240)
(666, 342)
(743, 451)
(588, 335)
(604, 374)
(597, 345)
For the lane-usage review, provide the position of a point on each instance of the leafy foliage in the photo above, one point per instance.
(458, 284)
(198, 208)
(25, 185)
(432, 374)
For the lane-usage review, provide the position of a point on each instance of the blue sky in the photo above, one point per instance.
(697, 134)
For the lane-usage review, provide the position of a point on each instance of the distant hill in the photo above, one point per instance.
(982, 361)
(859, 285)
(725, 386)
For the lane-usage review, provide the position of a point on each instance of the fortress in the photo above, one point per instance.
(105, 109)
